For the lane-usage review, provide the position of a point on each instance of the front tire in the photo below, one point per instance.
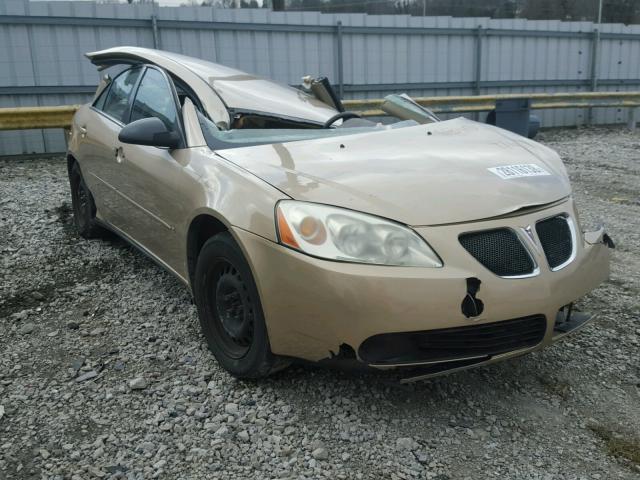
(230, 311)
(84, 208)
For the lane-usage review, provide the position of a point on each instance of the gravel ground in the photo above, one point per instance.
(104, 373)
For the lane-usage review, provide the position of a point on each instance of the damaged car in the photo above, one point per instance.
(305, 231)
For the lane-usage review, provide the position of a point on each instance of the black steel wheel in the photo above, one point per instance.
(230, 311)
(234, 309)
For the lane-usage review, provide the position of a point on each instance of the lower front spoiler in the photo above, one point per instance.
(563, 326)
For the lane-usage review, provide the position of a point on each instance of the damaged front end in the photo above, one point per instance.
(567, 321)
(426, 322)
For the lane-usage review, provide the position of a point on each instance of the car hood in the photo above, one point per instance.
(423, 175)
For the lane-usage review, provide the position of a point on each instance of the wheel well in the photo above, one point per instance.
(202, 228)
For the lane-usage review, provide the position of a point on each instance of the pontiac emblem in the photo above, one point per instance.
(529, 233)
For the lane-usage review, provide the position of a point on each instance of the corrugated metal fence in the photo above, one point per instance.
(42, 63)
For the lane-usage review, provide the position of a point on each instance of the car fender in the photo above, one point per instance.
(232, 195)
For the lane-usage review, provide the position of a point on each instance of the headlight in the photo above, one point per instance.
(340, 234)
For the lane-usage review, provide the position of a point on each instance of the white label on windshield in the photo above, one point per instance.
(518, 171)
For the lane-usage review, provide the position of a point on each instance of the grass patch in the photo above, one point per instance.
(618, 445)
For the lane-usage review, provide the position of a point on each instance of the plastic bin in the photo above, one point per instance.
(514, 114)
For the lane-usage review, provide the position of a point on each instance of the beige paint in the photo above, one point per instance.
(432, 177)
(192, 130)
(422, 175)
(214, 84)
(210, 100)
(314, 306)
(152, 195)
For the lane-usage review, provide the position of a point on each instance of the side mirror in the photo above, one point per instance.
(405, 108)
(149, 131)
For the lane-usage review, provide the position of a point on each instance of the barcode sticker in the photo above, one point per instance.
(507, 172)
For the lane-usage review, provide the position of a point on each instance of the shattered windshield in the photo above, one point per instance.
(245, 137)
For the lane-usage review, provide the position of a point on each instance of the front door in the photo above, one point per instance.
(155, 182)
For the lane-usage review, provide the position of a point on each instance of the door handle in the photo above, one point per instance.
(120, 155)
(83, 131)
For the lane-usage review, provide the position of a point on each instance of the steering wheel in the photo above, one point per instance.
(341, 115)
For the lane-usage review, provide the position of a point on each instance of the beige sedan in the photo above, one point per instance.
(307, 232)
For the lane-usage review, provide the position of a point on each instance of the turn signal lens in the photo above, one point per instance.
(340, 234)
(284, 232)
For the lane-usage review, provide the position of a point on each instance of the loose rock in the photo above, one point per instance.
(406, 443)
(138, 383)
(231, 408)
(87, 376)
(523, 419)
(27, 328)
(320, 454)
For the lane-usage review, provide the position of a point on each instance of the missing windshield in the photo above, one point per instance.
(246, 137)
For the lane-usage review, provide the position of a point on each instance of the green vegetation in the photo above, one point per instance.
(618, 445)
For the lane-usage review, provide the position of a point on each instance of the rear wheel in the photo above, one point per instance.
(84, 208)
(230, 312)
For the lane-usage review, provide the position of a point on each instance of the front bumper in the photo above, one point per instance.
(314, 307)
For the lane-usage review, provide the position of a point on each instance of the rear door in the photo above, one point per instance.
(98, 148)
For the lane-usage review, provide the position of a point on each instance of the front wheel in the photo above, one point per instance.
(230, 312)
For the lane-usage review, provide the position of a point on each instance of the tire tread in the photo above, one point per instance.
(265, 363)
(91, 229)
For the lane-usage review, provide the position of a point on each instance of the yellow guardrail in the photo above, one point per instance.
(483, 103)
(23, 118)
(60, 117)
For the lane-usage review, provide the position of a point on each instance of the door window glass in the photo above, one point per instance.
(117, 101)
(155, 99)
(99, 103)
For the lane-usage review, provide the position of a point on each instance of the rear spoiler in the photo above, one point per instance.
(105, 58)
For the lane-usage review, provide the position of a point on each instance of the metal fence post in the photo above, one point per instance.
(478, 73)
(595, 54)
(339, 59)
(154, 27)
(478, 65)
(36, 80)
(634, 115)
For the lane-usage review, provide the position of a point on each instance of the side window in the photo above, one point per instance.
(117, 101)
(99, 103)
(184, 92)
(155, 99)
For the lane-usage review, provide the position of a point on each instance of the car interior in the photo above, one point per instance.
(253, 127)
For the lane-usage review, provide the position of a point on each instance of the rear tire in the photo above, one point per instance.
(84, 208)
(230, 311)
